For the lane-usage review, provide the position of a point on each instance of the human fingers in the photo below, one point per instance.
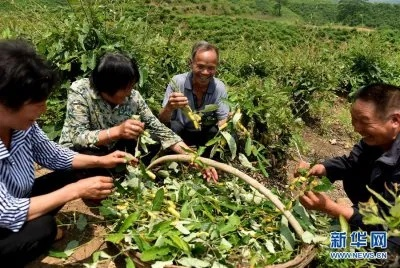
(214, 174)
(303, 164)
(104, 179)
(317, 170)
(131, 159)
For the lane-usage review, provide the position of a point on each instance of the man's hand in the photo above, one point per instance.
(317, 170)
(315, 201)
(118, 157)
(321, 202)
(130, 129)
(98, 187)
(177, 100)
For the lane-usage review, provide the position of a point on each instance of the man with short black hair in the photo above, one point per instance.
(373, 162)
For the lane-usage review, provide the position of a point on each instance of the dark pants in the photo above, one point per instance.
(37, 235)
(198, 138)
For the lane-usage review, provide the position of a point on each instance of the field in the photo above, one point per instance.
(288, 65)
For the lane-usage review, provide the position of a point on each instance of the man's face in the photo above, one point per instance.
(375, 130)
(204, 66)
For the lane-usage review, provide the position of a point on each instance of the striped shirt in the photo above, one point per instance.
(17, 171)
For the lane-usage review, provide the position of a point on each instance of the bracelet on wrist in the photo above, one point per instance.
(108, 134)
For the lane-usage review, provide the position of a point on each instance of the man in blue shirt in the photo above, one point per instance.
(197, 89)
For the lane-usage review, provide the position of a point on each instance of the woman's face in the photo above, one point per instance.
(24, 117)
(119, 97)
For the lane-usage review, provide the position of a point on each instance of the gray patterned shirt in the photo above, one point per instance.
(88, 113)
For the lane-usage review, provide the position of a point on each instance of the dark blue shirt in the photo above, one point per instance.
(366, 165)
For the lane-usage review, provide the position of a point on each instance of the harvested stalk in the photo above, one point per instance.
(187, 111)
(231, 170)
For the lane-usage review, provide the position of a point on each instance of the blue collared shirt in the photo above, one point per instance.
(17, 171)
(216, 94)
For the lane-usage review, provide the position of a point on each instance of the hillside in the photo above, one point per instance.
(377, 13)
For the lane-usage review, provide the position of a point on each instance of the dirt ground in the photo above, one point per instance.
(91, 239)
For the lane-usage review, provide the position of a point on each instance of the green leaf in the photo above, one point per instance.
(245, 162)
(162, 264)
(179, 243)
(120, 188)
(287, 235)
(154, 253)
(185, 210)
(324, 186)
(395, 211)
(57, 254)
(129, 221)
(261, 166)
(307, 237)
(270, 246)
(158, 200)
(383, 200)
(232, 225)
(231, 143)
(201, 150)
(247, 148)
(344, 226)
(225, 245)
(115, 238)
(140, 242)
(129, 263)
(81, 222)
(213, 141)
(193, 262)
(210, 108)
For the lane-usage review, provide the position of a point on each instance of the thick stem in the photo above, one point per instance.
(231, 170)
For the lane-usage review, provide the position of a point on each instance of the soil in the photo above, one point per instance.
(91, 239)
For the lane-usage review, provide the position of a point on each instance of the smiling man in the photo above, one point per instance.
(373, 162)
(197, 89)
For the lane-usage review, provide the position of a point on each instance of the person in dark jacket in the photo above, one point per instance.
(373, 162)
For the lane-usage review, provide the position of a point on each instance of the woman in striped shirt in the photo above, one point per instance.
(28, 205)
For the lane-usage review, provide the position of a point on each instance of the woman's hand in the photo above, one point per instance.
(209, 173)
(130, 129)
(98, 187)
(118, 157)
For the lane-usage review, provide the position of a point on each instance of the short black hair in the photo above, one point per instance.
(24, 75)
(113, 72)
(385, 97)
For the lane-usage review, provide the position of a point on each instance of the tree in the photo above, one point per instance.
(352, 12)
(278, 6)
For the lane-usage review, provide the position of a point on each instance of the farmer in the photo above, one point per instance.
(196, 89)
(100, 109)
(373, 162)
(28, 205)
